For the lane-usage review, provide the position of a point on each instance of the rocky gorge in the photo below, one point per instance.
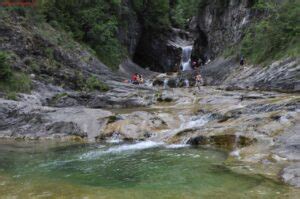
(252, 112)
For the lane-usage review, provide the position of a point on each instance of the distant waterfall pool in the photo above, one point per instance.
(136, 170)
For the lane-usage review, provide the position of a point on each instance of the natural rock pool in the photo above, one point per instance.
(125, 170)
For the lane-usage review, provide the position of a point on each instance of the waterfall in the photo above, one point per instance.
(187, 83)
(186, 58)
(177, 82)
(166, 81)
(236, 151)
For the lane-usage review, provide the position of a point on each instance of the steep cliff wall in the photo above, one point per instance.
(216, 25)
(130, 28)
(219, 24)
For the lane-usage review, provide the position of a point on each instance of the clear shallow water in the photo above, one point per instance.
(140, 170)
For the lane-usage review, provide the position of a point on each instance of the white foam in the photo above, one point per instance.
(176, 146)
(114, 141)
(235, 153)
(196, 122)
(115, 138)
(121, 148)
(137, 146)
(166, 81)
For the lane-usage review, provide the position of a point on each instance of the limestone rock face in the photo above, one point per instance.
(26, 121)
(130, 32)
(158, 52)
(281, 75)
(221, 23)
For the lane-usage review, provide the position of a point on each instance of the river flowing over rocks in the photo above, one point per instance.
(251, 112)
(258, 128)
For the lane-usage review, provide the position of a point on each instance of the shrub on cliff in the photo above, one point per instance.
(183, 10)
(275, 37)
(5, 70)
(93, 83)
(11, 82)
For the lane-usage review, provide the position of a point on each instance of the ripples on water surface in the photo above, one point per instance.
(140, 170)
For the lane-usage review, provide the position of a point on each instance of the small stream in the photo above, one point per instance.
(125, 170)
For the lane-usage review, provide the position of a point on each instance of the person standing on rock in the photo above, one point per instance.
(242, 61)
(199, 81)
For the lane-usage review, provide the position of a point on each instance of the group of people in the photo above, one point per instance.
(137, 79)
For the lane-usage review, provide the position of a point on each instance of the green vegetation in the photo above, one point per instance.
(93, 83)
(155, 14)
(161, 14)
(12, 82)
(112, 119)
(59, 96)
(182, 11)
(92, 22)
(276, 36)
(12, 96)
(5, 70)
(56, 98)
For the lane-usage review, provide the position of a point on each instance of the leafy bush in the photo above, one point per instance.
(93, 83)
(12, 96)
(265, 5)
(183, 10)
(20, 82)
(275, 37)
(5, 70)
(10, 81)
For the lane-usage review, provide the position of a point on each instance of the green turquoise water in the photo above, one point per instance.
(140, 170)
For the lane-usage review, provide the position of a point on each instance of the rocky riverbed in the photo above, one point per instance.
(243, 124)
(260, 130)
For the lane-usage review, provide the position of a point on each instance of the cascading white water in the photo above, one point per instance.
(177, 82)
(120, 148)
(187, 83)
(115, 138)
(186, 58)
(236, 151)
(166, 81)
